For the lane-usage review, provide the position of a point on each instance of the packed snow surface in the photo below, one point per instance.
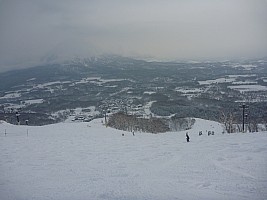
(78, 161)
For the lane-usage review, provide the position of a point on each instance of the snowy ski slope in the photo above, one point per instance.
(84, 161)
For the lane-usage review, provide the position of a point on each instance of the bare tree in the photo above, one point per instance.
(253, 125)
(179, 124)
(132, 123)
(227, 119)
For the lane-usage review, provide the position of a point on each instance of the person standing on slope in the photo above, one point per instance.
(187, 137)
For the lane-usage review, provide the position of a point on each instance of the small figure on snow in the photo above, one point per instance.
(133, 133)
(187, 137)
(17, 116)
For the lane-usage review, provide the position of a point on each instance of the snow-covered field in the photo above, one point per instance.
(247, 88)
(78, 161)
(218, 80)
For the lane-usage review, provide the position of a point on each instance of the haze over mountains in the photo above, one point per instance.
(33, 32)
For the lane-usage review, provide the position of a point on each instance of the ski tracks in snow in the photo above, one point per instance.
(74, 161)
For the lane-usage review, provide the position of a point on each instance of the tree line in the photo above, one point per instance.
(133, 123)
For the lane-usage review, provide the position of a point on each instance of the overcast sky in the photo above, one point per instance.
(34, 30)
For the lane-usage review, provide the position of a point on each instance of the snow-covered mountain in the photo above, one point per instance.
(77, 161)
(115, 83)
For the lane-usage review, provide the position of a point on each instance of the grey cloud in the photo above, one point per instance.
(172, 29)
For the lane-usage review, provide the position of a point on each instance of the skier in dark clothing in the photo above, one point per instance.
(17, 115)
(187, 137)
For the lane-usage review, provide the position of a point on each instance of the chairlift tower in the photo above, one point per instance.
(244, 115)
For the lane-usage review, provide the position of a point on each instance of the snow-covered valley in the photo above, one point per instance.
(77, 161)
(87, 88)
